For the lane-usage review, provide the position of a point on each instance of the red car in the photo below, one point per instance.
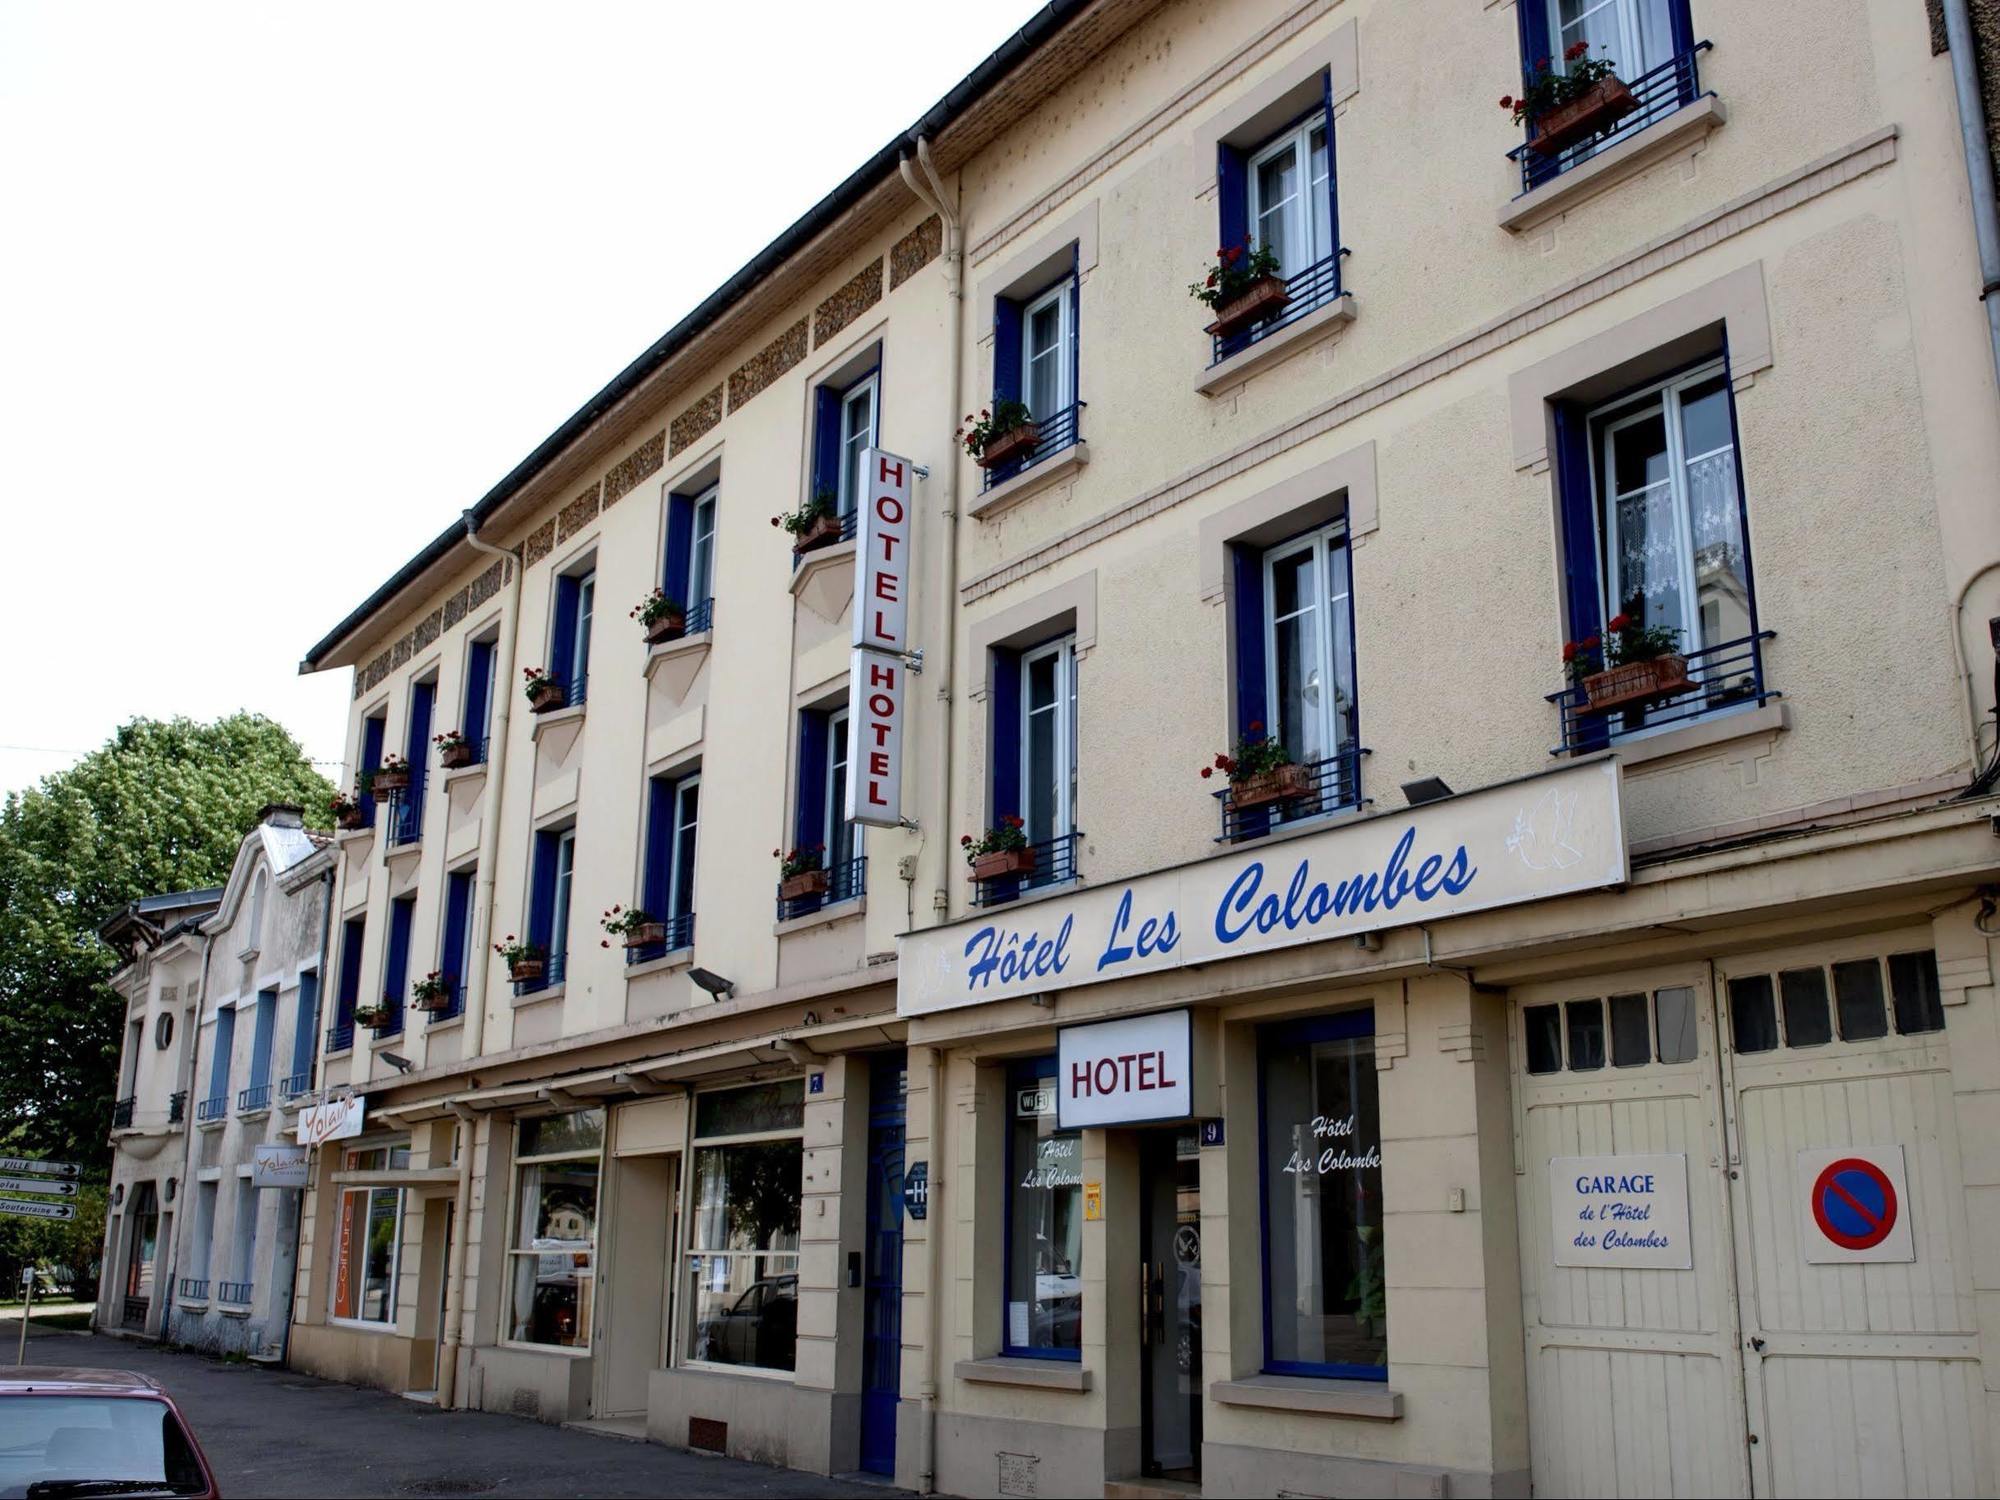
(83, 1433)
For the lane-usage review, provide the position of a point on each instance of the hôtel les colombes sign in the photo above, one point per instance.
(1527, 840)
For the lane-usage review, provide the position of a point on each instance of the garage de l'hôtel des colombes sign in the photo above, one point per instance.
(1525, 840)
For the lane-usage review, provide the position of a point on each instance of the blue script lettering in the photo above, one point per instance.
(1006, 957)
(1307, 902)
(1156, 935)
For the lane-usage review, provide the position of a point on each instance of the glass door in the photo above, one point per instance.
(1170, 1305)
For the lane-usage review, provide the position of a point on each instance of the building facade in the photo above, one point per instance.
(1305, 1092)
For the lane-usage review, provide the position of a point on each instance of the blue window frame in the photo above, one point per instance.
(1032, 706)
(1035, 362)
(263, 1038)
(305, 1033)
(455, 948)
(846, 418)
(217, 1103)
(478, 716)
(569, 633)
(396, 963)
(374, 733)
(673, 818)
(416, 750)
(1319, 1143)
(340, 1036)
(688, 573)
(549, 903)
(1043, 1314)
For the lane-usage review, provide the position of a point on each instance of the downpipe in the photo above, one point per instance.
(454, 1270)
(1978, 164)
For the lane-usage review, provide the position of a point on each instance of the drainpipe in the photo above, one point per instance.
(473, 1044)
(931, 191)
(299, 1201)
(1978, 163)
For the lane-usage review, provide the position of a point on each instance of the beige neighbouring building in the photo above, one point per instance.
(1568, 1069)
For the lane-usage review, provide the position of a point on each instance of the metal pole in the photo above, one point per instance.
(27, 1302)
(1978, 162)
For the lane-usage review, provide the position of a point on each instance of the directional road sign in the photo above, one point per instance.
(60, 1187)
(36, 1208)
(40, 1168)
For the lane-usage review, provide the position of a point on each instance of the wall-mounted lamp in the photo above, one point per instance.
(400, 1064)
(1425, 789)
(714, 983)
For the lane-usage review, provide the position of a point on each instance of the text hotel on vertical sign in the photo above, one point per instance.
(881, 637)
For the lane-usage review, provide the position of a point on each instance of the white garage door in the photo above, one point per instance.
(1777, 1363)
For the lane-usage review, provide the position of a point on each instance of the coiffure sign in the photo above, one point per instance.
(335, 1120)
(881, 637)
(1123, 1072)
(1527, 840)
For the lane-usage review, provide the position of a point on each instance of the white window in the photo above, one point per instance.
(857, 431)
(565, 876)
(842, 838)
(554, 1249)
(1309, 645)
(1669, 516)
(680, 876)
(1634, 35)
(701, 556)
(1048, 740)
(1048, 334)
(1291, 199)
(368, 1239)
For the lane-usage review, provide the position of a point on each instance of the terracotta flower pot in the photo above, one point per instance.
(1284, 784)
(546, 696)
(354, 818)
(1259, 300)
(805, 883)
(1002, 863)
(432, 1003)
(645, 934)
(666, 628)
(525, 968)
(823, 531)
(385, 782)
(371, 1016)
(1635, 683)
(455, 757)
(1592, 112)
(1015, 442)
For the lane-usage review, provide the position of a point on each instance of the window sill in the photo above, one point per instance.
(448, 1023)
(733, 1372)
(250, 1116)
(215, 1124)
(1331, 319)
(833, 911)
(1047, 892)
(666, 963)
(1296, 829)
(462, 773)
(695, 646)
(1685, 127)
(536, 997)
(346, 836)
(233, 1309)
(191, 1305)
(1039, 1374)
(361, 1325)
(555, 717)
(395, 852)
(567, 1351)
(1051, 470)
(1731, 724)
(817, 561)
(1330, 1398)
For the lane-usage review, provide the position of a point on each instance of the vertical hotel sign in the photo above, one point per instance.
(875, 683)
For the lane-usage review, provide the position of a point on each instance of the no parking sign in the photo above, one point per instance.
(1855, 1206)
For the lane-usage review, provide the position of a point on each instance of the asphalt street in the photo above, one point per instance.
(278, 1433)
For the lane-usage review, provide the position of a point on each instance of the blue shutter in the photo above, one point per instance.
(1232, 195)
(809, 819)
(263, 1037)
(351, 937)
(1004, 707)
(658, 878)
(1534, 24)
(396, 971)
(225, 1045)
(1247, 597)
(680, 549)
(1582, 611)
(305, 1029)
(826, 440)
(1007, 350)
(457, 913)
(562, 640)
(478, 667)
(1333, 172)
(542, 891)
(373, 731)
(423, 697)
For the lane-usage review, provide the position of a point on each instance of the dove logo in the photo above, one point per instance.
(1543, 835)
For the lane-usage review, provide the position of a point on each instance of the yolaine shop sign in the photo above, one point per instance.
(1523, 841)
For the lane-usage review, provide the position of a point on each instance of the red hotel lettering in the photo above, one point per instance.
(884, 504)
(1109, 1075)
(887, 473)
(885, 586)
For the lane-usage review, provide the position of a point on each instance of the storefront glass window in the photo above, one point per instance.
(555, 1238)
(1044, 1220)
(742, 1273)
(1325, 1288)
(368, 1229)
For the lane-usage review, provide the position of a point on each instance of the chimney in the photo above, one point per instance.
(282, 815)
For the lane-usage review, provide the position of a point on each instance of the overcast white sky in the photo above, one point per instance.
(284, 287)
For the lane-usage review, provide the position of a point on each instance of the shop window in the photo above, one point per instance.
(1628, 1030)
(368, 1239)
(554, 1250)
(1791, 1009)
(1044, 1271)
(1325, 1288)
(743, 1246)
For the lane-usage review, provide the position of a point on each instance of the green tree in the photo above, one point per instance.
(162, 807)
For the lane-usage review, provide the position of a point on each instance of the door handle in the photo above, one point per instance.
(1145, 1304)
(1757, 1344)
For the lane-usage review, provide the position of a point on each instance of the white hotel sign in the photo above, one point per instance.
(1524, 841)
(875, 696)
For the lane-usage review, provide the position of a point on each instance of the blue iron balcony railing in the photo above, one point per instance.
(553, 969)
(1055, 864)
(481, 747)
(295, 1084)
(1052, 435)
(177, 1107)
(680, 934)
(194, 1289)
(215, 1108)
(1310, 289)
(121, 1113)
(406, 816)
(1657, 93)
(844, 882)
(255, 1097)
(340, 1035)
(237, 1293)
(1719, 678)
(575, 690)
(392, 1024)
(454, 1006)
(700, 616)
(1329, 786)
